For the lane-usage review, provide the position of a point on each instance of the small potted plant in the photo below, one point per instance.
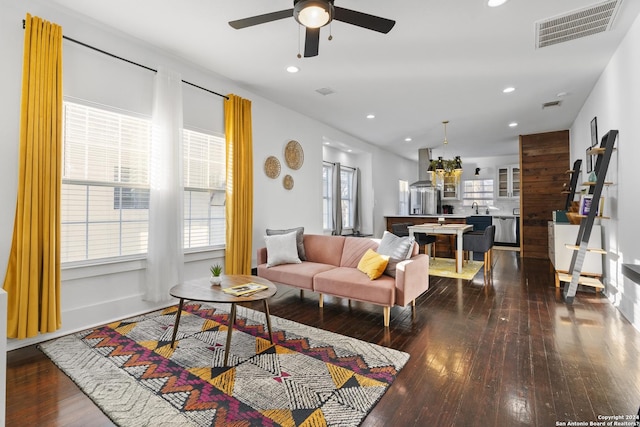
(216, 270)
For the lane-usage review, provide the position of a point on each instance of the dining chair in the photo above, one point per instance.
(480, 241)
(422, 239)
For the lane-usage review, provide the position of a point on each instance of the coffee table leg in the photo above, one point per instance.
(232, 321)
(175, 326)
(266, 313)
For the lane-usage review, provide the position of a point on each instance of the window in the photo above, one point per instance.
(204, 186)
(347, 196)
(126, 197)
(479, 191)
(327, 184)
(102, 150)
(105, 185)
(403, 197)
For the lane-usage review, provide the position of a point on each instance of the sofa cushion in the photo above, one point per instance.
(324, 249)
(354, 249)
(299, 239)
(373, 264)
(282, 249)
(397, 248)
(298, 275)
(350, 283)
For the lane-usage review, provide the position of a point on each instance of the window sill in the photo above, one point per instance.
(86, 269)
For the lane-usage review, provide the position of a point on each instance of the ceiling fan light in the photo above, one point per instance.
(312, 13)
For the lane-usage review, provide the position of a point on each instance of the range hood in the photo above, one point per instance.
(424, 159)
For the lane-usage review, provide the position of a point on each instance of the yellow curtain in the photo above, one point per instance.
(239, 203)
(32, 281)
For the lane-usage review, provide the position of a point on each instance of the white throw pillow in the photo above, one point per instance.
(282, 249)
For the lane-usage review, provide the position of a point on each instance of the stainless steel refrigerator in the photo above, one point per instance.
(423, 200)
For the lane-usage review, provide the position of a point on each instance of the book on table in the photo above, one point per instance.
(245, 289)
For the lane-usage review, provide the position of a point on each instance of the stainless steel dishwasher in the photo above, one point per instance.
(505, 230)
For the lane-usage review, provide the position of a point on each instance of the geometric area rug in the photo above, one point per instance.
(310, 377)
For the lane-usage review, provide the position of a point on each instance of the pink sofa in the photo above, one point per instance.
(331, 268)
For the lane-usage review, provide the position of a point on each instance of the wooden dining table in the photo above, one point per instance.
(434, 228)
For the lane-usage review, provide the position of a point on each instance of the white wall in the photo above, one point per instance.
(615, 101)
(94, 295)
(386, 175)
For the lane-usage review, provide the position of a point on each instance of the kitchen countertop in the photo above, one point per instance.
(452, 216)
(455, 216)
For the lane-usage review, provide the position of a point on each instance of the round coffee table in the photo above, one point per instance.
(203, 290)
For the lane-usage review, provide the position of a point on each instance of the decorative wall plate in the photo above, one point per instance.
(272, 167)
(293, 155)
(287, 182)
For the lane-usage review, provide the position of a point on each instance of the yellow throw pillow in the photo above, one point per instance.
(373, 264)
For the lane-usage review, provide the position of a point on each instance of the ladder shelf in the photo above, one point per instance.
(573, 277)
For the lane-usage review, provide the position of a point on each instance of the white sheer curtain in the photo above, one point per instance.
(336, 199)
(357, 208)
(165, 259)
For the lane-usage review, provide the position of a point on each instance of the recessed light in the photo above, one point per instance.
(496, 3)
(407, 139)
(292, 69)
(371, 116)
(513, 124)
(561, 94)
(349, 150)
(508, 89)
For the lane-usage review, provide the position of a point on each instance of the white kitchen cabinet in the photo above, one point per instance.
(450, 185)
(509, 182)
(563, 234)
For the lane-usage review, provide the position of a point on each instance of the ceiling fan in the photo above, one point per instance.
(313, 14)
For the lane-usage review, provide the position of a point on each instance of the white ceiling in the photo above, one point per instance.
(443, 60)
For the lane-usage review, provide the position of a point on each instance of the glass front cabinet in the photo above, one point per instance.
(450, 185)
(509, 182)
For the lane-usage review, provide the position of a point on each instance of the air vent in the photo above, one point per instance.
(325, 91)
(551, 104)
(579, 23)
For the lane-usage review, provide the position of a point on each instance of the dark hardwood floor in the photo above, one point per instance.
(508, 353)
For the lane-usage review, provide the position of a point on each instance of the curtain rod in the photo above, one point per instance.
(130, 62)
(341, 165)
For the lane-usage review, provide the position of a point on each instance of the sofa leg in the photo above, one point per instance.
(386, 313)
(321, 301)
(413, 303)
(301, 293)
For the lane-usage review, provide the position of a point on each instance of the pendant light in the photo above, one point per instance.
(446, 165)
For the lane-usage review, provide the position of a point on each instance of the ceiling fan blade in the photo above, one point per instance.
(261, 19)
(364, 20)
(311, 42)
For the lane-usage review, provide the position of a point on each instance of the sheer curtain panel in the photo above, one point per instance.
(336, 200)
(357, 208)
(165, 258)
(32, 281)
